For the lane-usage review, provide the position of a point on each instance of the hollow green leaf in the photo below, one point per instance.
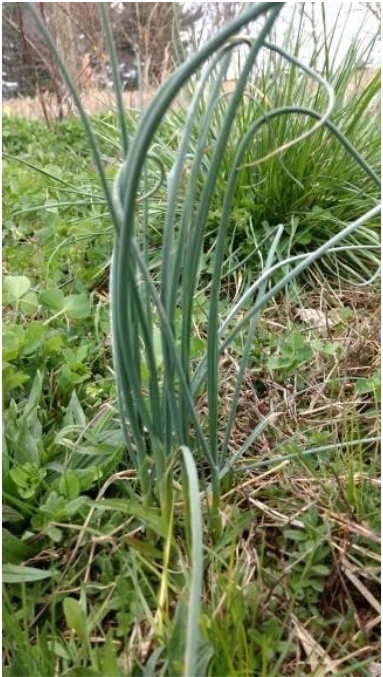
(192, 624)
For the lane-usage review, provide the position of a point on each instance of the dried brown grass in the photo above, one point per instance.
(100, 100)
(95, 100)
(318, 407)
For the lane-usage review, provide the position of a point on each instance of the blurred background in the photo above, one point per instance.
(151, 39)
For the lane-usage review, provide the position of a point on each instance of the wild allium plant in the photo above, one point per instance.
(159, 381)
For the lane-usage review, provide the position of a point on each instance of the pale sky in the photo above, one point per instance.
(349, 20)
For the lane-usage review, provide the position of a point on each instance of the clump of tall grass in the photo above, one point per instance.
(154, 306)
(313, 187)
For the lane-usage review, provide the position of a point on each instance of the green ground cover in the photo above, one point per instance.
(95, 584)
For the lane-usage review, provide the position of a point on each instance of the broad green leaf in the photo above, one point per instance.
(11, 515)
(35, 330)
(52, 344)
(77, 307)
(75, 617)
(27, 478)
(14, 550)
(15, 379)
(27, 442)
(29, 303)
(70, 356)
(33, 335)
(280, 362)
(88, 476)
(53, 299)
(30, 348)
(304, 238)
(110, 665)
(13, 573)
(82, 353)
(69, 486)
(74, 413)
(55, 171)
(54, 533)
(369, 384)
(16, 286)
(13, 340)
(198, 346)
(58, 649)
(74, 506)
